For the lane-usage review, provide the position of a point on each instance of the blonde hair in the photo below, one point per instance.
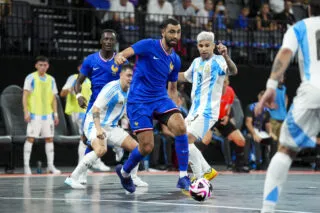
(205, 36)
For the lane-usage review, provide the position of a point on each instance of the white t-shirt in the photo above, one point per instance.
(157, 13)
(207, 81)
(304, 36)
(124, 11)
(277, 6)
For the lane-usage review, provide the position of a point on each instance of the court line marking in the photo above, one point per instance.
(154, 173)
(145, 202)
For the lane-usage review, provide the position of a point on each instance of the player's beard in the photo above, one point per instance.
(169, 42)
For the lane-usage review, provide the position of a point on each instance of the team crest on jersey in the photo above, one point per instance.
(114, 69)
(207, 68)
(136, 123)
(171, 66)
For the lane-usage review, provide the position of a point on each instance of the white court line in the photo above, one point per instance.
(145, 202)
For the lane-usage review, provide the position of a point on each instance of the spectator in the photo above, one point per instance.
(264, 19)
(205, 15)
(276, 6)
(286, 18)
(278, 114)
(185, 97)
(40, 112)
(243, 22)
(220, 16)
(158, 10)
(120, 11)
(260, 135)
(186, 11)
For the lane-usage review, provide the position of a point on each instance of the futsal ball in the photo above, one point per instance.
(200, 189)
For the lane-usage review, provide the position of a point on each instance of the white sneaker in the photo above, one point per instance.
(53, 170)
(99, 165)
(119, 153)
(83, 178)
(138, 182)
(74, 183)
(27, 170)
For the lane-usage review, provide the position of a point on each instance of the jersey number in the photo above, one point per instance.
(318, 44)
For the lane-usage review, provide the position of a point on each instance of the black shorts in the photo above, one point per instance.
(224, 130)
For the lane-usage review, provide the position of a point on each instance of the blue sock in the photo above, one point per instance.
(182, 151)
(134, 158)
(88, 149)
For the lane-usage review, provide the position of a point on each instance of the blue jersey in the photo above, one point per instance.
(154, 68)
(100, 72)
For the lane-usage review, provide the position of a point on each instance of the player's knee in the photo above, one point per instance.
(179, 129)
(30, 140)
(147, 149)
(101, 151)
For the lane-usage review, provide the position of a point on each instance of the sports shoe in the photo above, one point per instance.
(209, 175)
(241, 169)
(53, 170)
(138, 182)
(83, 178)
(73, 183)
(27, 170)
(184, 183)
(126, 183)
(99, 165)
(119, 153)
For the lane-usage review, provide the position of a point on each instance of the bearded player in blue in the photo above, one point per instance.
(148, 99)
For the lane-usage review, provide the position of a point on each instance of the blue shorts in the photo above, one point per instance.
(141, 114)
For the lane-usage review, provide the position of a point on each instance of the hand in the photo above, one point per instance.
(119, 59)
(56, 120)
(273, 136)
(82, 101)
(222, 49)
(27, 117)
(267, 100)
(256, 138)
(101, 134)
(224, 120)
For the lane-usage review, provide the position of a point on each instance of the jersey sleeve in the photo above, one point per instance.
(188, 75)
(54, 86)
(142, 47)
(86, 67)
(70, 83)
(28, 82)
(106, 94)
(173, 76)
(223, 66)
(290, 40)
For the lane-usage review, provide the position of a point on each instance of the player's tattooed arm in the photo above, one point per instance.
(280, 63)
(232, 68)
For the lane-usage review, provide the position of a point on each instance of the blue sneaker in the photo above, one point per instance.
(184, 183)
(126, 183)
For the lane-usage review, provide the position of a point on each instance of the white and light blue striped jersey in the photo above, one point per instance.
(304, 36)
(207, 81)
(112, 102)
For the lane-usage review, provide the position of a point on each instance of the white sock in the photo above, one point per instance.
(276, 176)
(81, 151)
(84, 165)
(194, 160)
(124, 174)
(205, 167)
(134, 171)
(49, 153)
(27, 152)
